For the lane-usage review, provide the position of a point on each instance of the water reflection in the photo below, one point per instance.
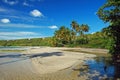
(102, 68)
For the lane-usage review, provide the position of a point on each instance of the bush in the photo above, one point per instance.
(82, 41)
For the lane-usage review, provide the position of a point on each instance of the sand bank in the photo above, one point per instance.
(44, 63)
(49, 60)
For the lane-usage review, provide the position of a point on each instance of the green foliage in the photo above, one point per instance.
(64, 36)
(27, 42)
(82, 41)
(79, 29)
(110, 12)
(96, 40)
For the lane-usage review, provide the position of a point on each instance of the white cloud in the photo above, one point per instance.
(26, 26)
(36, 13)
(93, 32)
(22, 16)
(5, 20)
(18, 35)
(53, 27)
(11, 2)
(25, 4)
(2, 9)
(21, 26)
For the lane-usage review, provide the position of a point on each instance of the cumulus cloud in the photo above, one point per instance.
(5, 20)
(36, 13)
(53, 27)
(10, 2)
(18, 35)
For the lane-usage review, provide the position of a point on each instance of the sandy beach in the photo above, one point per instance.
(48, 60)
(45, 63)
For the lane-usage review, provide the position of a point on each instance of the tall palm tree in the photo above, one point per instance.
(73, 35)
(75, 26)
(84, 28)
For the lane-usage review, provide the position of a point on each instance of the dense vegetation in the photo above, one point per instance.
(26, 42)
(76, 37)
(64, 37)
(110, 12)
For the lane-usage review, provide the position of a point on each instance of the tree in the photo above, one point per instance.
(64, 35)
(84, 28)
(73, 36)
(75, 26)
(110, 12)
(106, 32)
(79, 28)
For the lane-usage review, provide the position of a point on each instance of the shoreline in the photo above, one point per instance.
(49, 59)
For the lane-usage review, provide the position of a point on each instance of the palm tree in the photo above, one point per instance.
(63, 35)
(73, 36)
(84, 28)
(75, 26)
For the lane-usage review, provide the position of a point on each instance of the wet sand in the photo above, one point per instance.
(42, 64)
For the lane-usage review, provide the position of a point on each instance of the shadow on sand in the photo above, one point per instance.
(21, 57)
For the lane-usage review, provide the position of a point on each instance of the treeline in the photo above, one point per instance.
(73, 36)
(77, 37)
(65, 37)
(27, 42)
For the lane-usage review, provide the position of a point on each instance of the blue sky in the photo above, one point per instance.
(40, 18)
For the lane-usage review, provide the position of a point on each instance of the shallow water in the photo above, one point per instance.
(101, 68)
